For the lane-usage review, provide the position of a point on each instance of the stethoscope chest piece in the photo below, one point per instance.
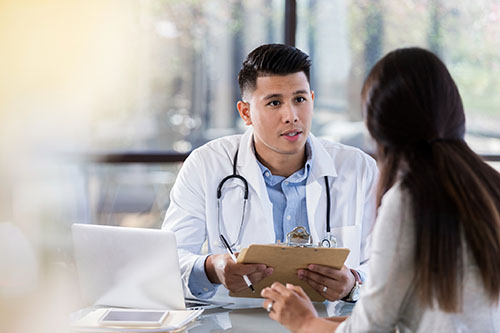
(328, 241)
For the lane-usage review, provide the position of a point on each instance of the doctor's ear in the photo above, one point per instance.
(244, 111)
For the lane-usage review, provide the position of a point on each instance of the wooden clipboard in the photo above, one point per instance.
(286, 260)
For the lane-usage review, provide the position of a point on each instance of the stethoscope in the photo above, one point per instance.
(328, 241)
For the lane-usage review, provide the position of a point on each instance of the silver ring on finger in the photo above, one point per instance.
(325, 288)
(269, 307)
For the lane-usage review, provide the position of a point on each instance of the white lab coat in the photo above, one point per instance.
(192, 213)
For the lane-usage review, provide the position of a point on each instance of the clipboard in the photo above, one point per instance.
(286, 259)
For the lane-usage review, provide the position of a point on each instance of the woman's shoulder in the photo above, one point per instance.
(394, 217)
(395, 200)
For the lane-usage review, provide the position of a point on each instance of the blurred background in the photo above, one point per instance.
(100, 101)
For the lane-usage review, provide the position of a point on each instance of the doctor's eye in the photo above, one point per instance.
(274, 103)
(300, 99)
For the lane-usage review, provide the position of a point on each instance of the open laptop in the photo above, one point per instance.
(129, 267)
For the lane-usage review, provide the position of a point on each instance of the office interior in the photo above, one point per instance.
(101, 101)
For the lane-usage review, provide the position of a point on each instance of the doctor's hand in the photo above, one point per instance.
(220, 268)
(331, 283)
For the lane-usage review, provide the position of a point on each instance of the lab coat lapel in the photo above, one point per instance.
(322, 165)
(313, 195)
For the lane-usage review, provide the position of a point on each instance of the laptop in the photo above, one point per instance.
(128, 267)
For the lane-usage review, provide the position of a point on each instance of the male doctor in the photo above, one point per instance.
(286, 169)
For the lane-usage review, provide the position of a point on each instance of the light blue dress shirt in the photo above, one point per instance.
(288, 197)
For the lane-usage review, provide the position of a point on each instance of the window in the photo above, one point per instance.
(156, 75)
(346, 38)
(188, 55)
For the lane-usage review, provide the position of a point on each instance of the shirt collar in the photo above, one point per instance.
(297, 176)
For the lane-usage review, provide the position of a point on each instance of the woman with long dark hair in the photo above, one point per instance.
(435, 260)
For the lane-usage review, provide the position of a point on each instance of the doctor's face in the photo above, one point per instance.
(280, 110)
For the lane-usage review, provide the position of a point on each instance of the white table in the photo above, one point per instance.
(249, 320)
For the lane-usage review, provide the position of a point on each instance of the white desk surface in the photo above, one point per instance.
(241, 321)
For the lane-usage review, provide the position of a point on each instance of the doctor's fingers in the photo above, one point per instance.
(243, 269)
(331, 292)
(333, 273)
(235, 283)
(257, 276)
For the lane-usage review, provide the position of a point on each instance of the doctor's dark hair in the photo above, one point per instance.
(414, 112)
(272, 59)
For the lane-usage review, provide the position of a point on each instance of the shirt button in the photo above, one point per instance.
(267, 174)
(215, 244)
(288, 217)
(206, 289)
(286, 182)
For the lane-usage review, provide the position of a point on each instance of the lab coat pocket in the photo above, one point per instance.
(349, 237)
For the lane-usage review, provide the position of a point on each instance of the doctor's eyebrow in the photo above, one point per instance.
(271, 96)
(298, 92)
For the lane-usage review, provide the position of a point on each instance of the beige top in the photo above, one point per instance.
(388, 299)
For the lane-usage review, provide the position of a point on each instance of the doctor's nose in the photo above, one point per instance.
(290, 115)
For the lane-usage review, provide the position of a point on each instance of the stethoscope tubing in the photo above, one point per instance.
(326, 242)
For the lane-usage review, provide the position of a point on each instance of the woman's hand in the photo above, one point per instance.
(291, 307)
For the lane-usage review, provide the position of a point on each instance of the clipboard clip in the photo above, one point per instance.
(299, 237)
